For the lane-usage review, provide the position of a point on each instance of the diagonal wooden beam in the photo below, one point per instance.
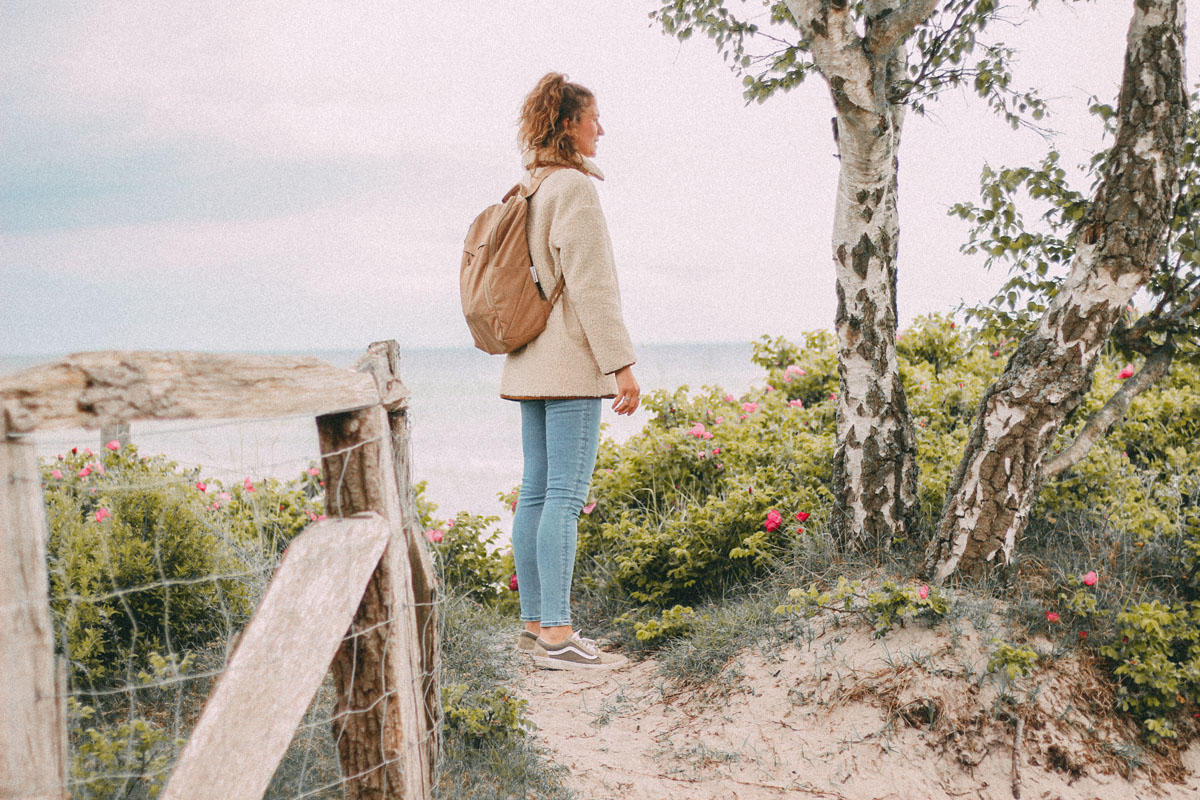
(284, 653)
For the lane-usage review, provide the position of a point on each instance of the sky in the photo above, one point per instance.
(299, 175)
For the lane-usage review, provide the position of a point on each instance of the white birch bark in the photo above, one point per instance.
(994, 489)
(875, 474)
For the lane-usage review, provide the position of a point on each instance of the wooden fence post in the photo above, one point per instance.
(383, 361)
(32, 712)
(380, 721)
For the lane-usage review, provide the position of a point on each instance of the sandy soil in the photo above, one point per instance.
(912, 716)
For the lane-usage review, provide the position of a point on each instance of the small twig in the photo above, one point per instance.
(1018, 728)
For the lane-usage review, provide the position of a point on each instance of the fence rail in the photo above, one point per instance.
(367, 568)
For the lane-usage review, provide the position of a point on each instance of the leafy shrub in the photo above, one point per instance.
(145, 557)
(467, 557)
(481, 715)
(882, 608)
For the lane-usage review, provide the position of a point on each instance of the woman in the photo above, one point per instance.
(584, 354)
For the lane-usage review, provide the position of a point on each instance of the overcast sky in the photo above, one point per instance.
(299, 175)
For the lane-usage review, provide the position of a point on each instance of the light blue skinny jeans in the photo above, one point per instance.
(559, 439)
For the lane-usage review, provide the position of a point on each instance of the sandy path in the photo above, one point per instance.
(821, 721)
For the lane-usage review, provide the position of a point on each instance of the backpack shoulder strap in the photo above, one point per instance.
(537, 181)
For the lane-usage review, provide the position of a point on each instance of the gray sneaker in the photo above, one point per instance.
(526, 641)
(575, 652)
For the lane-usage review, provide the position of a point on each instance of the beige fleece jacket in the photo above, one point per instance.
(585, 340)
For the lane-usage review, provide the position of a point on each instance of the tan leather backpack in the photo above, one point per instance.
(502, 299)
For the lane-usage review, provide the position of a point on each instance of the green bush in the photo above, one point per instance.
(145, 557)
(467, 556)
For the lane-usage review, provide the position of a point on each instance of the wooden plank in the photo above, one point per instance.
(425, 591)
(382, 744)
(92, 390)
(285, 651)
(32, 756)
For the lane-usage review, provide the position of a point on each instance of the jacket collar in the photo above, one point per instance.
(587, 166)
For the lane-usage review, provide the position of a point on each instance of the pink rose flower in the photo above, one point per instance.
(719, 420)
(113, 445)
(314, 471)
(224, 496)
(796, 403)
(923, 592)
(512, 582)
(98, 468)
(1126, 373)
(56, 473)
(802, 516)
(590, 507)
(102, 514)
(202, 486)
(450, 524)
(215, 505)
(729, 398)
(87, 452)
(434, 535)
(697, 430)
(716, 451)
(83, 473)
(794, 369)
(708, 435)
(774, 520)
(247, 484)
(1090, 579)
(750, 408)
(1051, 616)
(770, 388)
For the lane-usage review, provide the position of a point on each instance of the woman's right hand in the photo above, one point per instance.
(628, 392)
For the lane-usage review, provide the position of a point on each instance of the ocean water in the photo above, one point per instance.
(466, 440)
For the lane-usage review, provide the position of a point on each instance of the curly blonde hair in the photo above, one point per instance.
(544, 116)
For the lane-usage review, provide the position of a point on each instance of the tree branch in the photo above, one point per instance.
(889, 30)
(837, 51)
(1155, 367)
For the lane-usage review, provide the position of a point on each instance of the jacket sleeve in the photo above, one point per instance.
(579, 239)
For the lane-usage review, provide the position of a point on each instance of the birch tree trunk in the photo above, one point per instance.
(875, 473)
(996, 483)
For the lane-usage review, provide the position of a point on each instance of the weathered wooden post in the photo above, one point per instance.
(32, 710)
(381, 719)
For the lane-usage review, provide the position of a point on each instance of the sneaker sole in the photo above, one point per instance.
(549, 662)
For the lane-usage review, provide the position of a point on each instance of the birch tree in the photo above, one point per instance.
(1116, 248)
(878, 58)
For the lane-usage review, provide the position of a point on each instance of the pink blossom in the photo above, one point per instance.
(102, 514)
(1051, 616)
(59, 456)
(923, 592)
(787, 378)
(215, 505)
(312, 515)
(202, 486)
(512, 582)
(224, 496)
(98, 467)
(321, 517)
(750, 408)
(74, 450)
(708, 435)
(1083, 634)
(450, 524)
(1090, 579)
(995, 354)
(697, 430)
(794, 369)
(314, 471)
(589, 508)
(729, 398)
(796, 403)
(774, 519)
(802, 516)
(716, 451)
(87, 452)
(113, 445)
(247, 484)
(718, 420)
(513, 506)
(1126, 373)
(833, 395)
(743, 416)
(83, 473)
(770, 388)
(56, 473)
(434, 535)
